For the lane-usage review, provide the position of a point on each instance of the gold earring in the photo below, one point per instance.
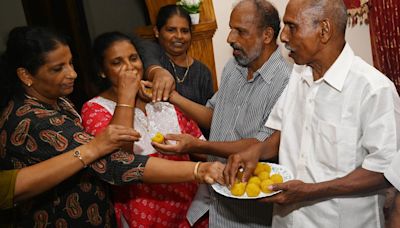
(102, 75)
(29, 84)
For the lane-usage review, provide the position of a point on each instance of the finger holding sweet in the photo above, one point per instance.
(147, 84)
(183, 144)
(146, 89)
(165, 148)
(158, 138)
(232, 168)
(246, 159)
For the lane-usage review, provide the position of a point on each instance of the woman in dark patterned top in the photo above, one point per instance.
(174, 33)
(38, 123)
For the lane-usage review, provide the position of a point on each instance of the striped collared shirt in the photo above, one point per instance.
(241, 108)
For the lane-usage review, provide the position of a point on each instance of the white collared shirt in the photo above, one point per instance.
(349, 118)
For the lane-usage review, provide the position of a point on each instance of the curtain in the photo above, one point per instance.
(384, 24)
(357, 11)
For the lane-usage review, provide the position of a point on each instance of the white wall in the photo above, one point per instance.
(359, 39)
(358, 36)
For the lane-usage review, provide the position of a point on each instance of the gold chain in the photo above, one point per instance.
(184, 75)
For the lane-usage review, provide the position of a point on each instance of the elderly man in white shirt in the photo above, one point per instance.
(337, 127)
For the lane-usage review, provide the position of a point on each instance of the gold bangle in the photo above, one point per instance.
(125, 105)
(153, 68)
(78, 155)
(196, 171)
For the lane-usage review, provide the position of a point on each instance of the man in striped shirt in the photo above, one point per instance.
(250, 85)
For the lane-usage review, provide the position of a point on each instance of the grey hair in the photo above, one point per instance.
(333, 9)
(267, 13)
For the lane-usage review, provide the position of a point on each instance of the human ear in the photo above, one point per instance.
(102, 75)
(268, 35)
(326, 30)
(25, 77)
(156, 33)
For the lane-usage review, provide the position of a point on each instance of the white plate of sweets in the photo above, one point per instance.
(256, 187)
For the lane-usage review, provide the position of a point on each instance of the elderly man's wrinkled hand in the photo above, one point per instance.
(293, 191)
(246, 160)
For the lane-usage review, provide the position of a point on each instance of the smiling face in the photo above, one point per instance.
(175, 36)
(120, 54)
(301, 33)
(55, 78)
(245, 35)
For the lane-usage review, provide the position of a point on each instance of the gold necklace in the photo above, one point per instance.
(184, 75)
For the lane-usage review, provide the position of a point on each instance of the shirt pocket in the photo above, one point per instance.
(335, 148)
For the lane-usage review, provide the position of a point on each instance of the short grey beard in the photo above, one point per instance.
(242, 61)
(245, 61)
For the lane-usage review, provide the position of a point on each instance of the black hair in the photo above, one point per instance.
(27, 48)
(268, 15)
(100, 44)
(168, 11)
